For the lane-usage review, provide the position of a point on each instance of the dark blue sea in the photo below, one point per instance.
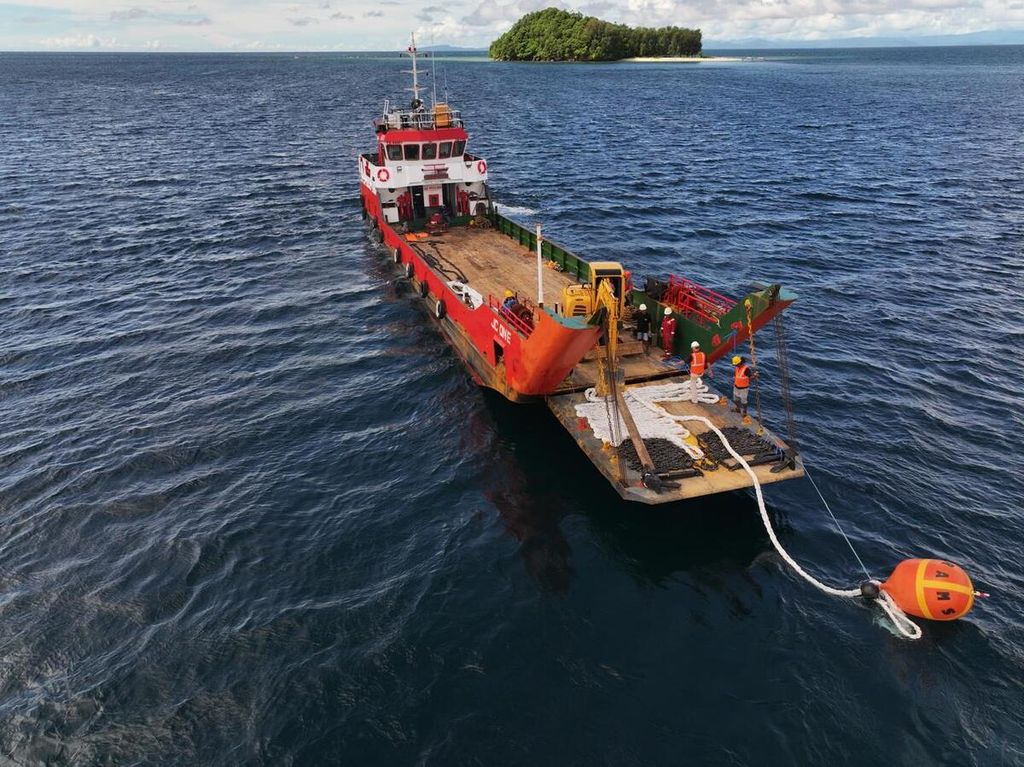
(254, 511)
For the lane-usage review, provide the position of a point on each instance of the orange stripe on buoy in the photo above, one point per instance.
(946, 586)
(919, 589)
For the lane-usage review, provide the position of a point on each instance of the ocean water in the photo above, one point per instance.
(253, 511)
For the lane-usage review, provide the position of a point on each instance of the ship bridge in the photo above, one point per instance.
(421, 172)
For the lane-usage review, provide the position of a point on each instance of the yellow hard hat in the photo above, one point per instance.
(509, 294)
(737, 360)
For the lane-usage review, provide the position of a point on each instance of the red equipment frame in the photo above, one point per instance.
(696, 302)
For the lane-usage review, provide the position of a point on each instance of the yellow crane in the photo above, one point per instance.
(605, 303)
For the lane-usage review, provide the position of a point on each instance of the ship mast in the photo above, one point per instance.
(415, 74)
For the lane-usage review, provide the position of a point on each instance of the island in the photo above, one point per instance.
(557, 35)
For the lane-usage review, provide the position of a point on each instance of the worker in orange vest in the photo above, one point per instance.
(668, 332)
(698, 364)
(742, 373)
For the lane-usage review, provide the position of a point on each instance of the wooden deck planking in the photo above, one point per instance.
(718, 481)
(635, 367)
(493, 263)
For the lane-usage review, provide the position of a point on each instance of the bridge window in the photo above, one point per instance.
(429, 151)
(394, 151)
(412, 151)
(445, 150)
(458, 148)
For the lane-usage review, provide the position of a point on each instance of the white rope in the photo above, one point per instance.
(652, 420)
(899, 619)
(902, 623)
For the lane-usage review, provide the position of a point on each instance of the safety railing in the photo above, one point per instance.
(519, 315)
(397, 119)
(695, 301)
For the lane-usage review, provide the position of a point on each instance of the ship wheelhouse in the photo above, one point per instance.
(421, 169)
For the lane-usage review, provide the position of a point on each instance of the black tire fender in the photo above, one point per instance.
(409, 271)
(397, 255)
(439, 311)
(424, 289)
(378, 235)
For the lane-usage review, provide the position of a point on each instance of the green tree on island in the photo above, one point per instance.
(557, 35)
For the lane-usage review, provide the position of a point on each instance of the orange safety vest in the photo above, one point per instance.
(741, 378)
(697, 361)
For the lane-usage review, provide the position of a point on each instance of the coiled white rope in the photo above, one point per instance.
(903, 624)
(652, 420)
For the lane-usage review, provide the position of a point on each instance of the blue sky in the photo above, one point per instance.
(241, 25)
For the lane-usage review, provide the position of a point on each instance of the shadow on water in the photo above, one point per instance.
(541, 478)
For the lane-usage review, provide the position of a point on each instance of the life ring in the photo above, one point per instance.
(424, 289)
(481, 167)
(397, 255)
(409, 271)
(439, 310)
(383, 175)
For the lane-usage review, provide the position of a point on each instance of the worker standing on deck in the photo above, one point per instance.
(742, 373)
(668, 332)
(698, 364)
(643, 327)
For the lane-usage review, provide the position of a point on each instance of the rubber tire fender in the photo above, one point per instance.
(378, 235)
(396, 255)
(439, 310)
(424, 289)
(409, 271)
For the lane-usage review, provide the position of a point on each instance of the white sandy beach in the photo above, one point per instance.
(686, 59)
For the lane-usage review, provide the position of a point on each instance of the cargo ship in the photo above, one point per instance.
(540, 324)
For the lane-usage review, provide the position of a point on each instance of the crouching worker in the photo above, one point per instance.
(742, 373)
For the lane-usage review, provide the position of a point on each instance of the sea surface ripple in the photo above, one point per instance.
(253, 511)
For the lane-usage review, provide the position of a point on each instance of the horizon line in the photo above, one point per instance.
(799, 43)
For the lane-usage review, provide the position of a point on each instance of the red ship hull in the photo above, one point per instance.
(522, 367)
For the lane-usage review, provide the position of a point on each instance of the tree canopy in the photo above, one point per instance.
(557, 35)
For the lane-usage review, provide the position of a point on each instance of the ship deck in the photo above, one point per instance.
(490, 262)
(647, 370)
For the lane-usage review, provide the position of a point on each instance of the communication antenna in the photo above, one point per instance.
(444, 71)
(433, 69)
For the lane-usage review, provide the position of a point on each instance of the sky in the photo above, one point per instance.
(382, 25)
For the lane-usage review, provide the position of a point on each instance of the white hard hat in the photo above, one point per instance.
(695, 345)
(668, 310)
(643, 307)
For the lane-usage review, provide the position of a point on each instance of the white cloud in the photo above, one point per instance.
(356, 25)
(79, 41)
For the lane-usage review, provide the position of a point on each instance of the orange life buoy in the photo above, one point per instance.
(383, 175)
(931, 588)
(481, 167)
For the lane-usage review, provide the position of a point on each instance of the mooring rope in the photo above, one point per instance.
(838, 526)
(903, 624)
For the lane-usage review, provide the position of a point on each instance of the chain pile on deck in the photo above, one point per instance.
(744, 441)
(665, 455)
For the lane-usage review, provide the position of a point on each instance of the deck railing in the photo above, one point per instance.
(700, 304)
(522, 322)
(397, 119)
